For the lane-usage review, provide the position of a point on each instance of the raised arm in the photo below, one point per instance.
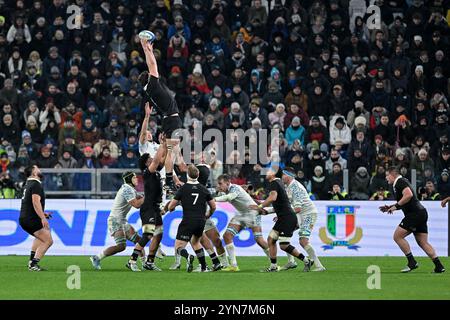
(150, 58)
(143, 134)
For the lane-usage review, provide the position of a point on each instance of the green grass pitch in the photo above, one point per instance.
(346, 278)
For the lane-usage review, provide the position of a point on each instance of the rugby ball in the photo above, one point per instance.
(147, 35)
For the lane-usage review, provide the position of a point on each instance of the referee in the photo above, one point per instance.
(33, 219)
(415, 221)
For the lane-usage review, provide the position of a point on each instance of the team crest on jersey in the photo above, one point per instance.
(341, 230)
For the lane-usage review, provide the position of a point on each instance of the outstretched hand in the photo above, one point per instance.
(146, 45)
(384, 208)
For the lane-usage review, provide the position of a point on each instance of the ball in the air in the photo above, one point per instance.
(147, 35)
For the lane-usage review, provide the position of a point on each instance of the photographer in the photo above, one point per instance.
(428, 193)
(7, 186)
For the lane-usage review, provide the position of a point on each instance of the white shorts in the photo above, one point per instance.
(209, 225)
(306, 224)
(115, 225)
(247, 220)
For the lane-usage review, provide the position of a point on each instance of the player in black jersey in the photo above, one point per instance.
(33, 219)
(160, 98)
(150, 211)
(284, 226)
(193, 197)
(415, 220)
(211, 236)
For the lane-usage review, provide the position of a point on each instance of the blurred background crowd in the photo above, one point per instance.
(343, 94)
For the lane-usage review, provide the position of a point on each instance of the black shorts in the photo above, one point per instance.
(189, 228)
(151, 216)
(286, 225)
(31, 225)
(415, 222)
(170, 124)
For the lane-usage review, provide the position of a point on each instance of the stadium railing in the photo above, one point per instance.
(104, 183)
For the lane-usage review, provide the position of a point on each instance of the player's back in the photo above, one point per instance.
(242, 200)
(299, 197)
(193, 197)
(281, 205)
(32, 186)
(121, 206)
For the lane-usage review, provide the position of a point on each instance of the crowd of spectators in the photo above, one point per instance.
(344, 94)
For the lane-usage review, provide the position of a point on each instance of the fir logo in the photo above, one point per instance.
(341, 230)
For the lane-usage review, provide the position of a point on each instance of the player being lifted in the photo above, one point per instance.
(246, 217)
(306, 215)
(415, 221)
(149, 146)
(118, 226)
(284, 226)
(160, 97)
(150, 211)
(193, 197)
(211, 236)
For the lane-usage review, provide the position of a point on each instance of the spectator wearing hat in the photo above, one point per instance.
(339, 131)
(53, 60)
(66, 160)
(214, 111)
(46, 159)
(29, 145)
(114, 132)
(295, 131)
(197, 80)
(255, 111)
(236, 114)
(420, 162)
(32, 126)
(216, 78)
(297, 96)
(278, 115)
(359, 184)
(443, 184)
(272, 97)
(117, 77)
(179, 27)
(128, 160)
(10, 130)
(102, 143)
(319, 184)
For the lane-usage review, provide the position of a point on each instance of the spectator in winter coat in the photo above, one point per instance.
(339, 131)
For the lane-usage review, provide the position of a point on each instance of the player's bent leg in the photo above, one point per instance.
(180, 246)
(422, 241)
(199, 252)
(45, 242)
(230, 233)
(272, 243)
(400, 234)
(288, 248)
(214, 237)
(304, 242)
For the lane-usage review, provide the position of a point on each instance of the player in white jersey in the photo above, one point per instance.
(306, 214)
(245, 218)
(118, 226)
(147, 145)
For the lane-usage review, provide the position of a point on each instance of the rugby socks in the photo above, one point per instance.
(34, 262)
(302, 257)
(437, 263)
(291, 258)
(151, 258)
(273, 263)
(223, 260)
(230, 251)
(312, 255)
(32, 253)
(135, 254)
(101, 256)
(213, 257)
(411, 260)
(183, 253)
(169, 179)
(266, 251)
(201, 258)
(177, 257)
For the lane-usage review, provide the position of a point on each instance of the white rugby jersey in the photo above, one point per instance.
(299, 198)
(239, 199)
(121, 205)
(151, 148)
